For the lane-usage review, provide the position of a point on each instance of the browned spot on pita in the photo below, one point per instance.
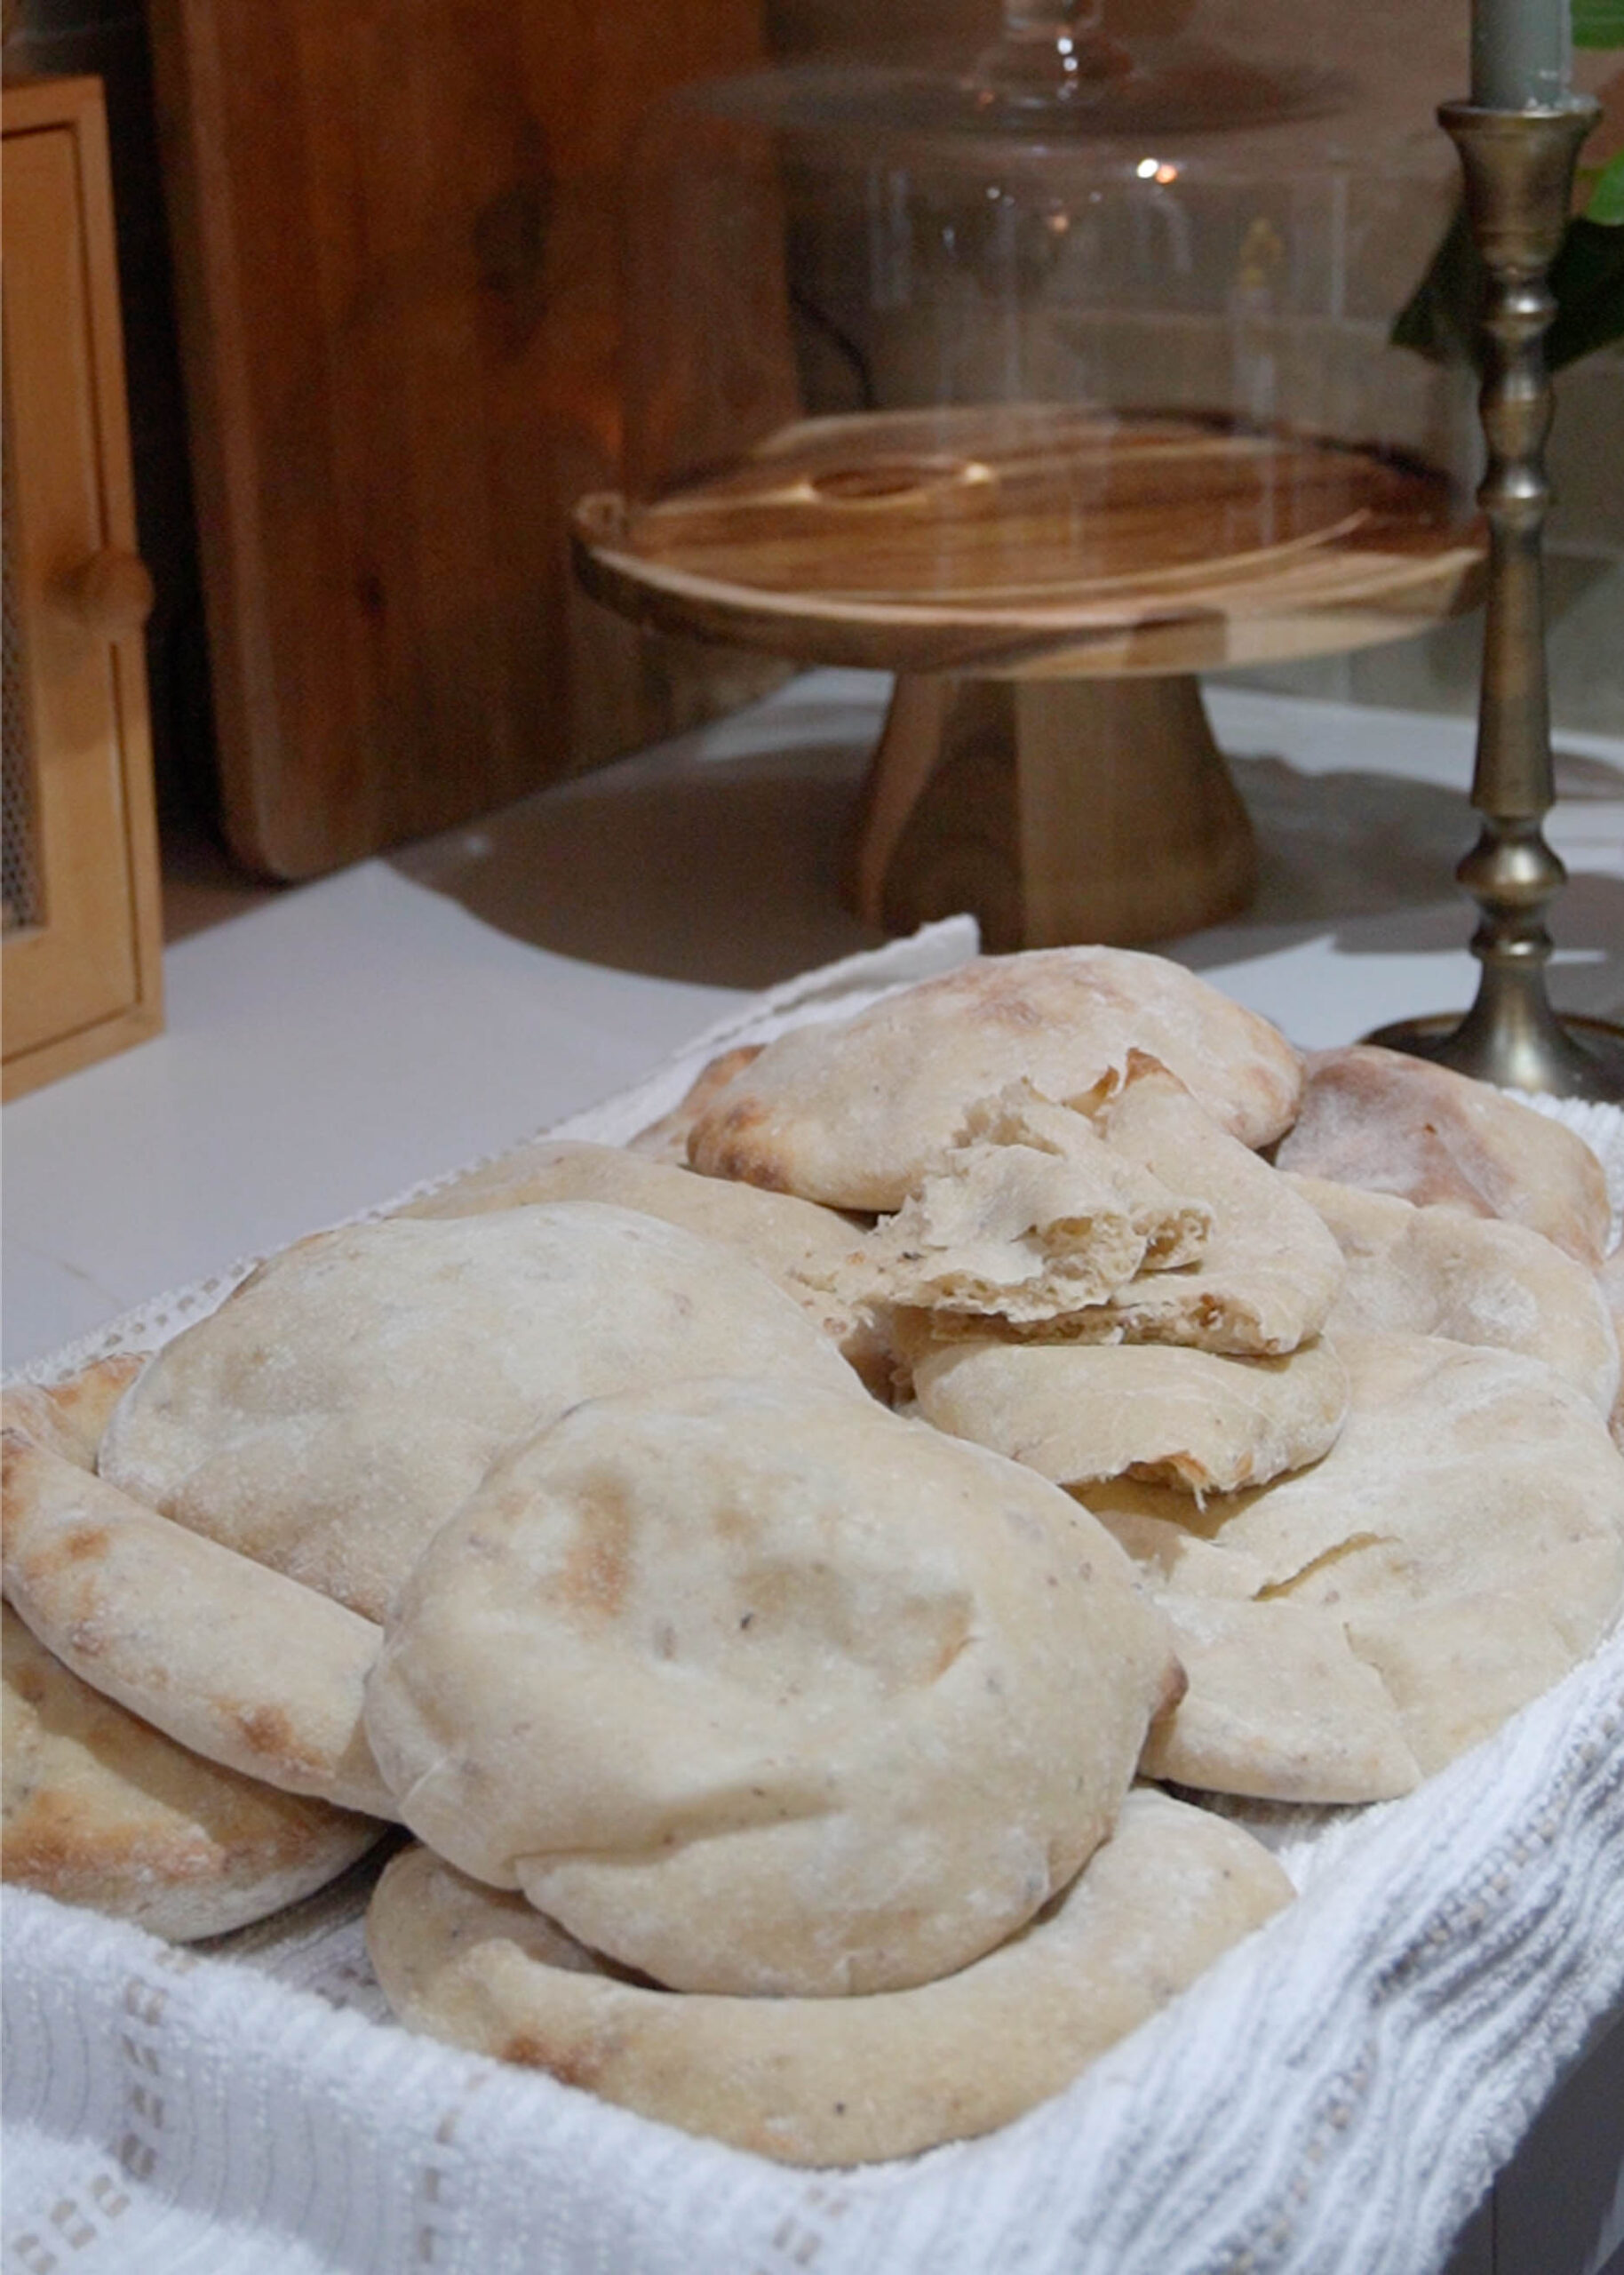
(268, 1732)
(88, 1543)
(596, 1571)
(571, 2065)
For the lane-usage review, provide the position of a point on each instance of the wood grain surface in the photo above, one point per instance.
(396, 229)
(1040, 539)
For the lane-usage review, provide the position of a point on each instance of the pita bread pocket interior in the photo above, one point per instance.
(1381, 1119)
(836, 2081)
(235, 1662)
(1438, 1271)
(797, 1243)
(1029, 1213)
(1467, 1485)
(855, 1114)
(763, 1689)
(101, 1809)
(1079, 1413)
(353, 1391)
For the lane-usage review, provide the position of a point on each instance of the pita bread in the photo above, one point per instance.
(1395, 1124)
(101, 1809)
(231, 1660)
(795, 1242)
(1077, 1413)
(70, 1418)
(1032, 1214)
(353, 1392)
(763, 1689)
(1467, 1483)
(1609, 1279)
(855, 1114)
(1438, 1271)
(666, 1139)
(835, 2081)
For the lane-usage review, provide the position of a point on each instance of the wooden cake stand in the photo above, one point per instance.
(1045, 583)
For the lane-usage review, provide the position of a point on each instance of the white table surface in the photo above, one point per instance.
(335, 1044)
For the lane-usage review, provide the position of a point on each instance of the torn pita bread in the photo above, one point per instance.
(354, 1390)
(231, 1660)
(835, 2081)
(761, 1689)
(801, 1246)
(1466, 1482)
(101, 1809)
(1079, 1413)
(1028, 1215)
(1393, 1123)
(855, 1114)
(1438, 1271)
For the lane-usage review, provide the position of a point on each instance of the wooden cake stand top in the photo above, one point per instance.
(1043, 541)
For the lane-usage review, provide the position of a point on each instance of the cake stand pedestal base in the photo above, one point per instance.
(1054, 810)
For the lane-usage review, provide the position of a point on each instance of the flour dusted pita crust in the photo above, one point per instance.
(855, 1114)
(70, 1418)
(1397, 1124)
(799, 1244)
(1438, 1271)
(1468, 1486)
(353, 1392)
(231, 1660)
(836, 2081)
(1079, 1412)
(102, 1810)
(1280, 1707)
(1030, 1215)
(762, 1688)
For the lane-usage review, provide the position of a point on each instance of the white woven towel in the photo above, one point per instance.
(1330, 2099)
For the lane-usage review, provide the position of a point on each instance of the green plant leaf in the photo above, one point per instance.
(1605, 202)
(1598, 23)
(1588, 279)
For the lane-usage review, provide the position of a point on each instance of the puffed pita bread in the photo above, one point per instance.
(762, 1688)
(855, 1114)
(1077, 1413)
(1280, 1707)
(99, 1809)
(801, 1246)
(836, 2081)
(666, 1139)
(353, 1392)
(1028, 1215)
(1466, 1482)
(230, 1659)
(1438, 1271)
(1397, 1124)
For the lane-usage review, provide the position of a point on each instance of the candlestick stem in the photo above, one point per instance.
(1518, 170)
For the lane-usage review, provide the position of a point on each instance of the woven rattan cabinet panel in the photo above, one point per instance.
(82, 937)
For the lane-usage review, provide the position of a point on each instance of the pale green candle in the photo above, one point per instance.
(1522, 54)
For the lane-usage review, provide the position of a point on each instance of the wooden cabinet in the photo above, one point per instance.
(397, 249)
(82, 942)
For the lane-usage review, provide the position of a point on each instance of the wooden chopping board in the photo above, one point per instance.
(396, 232)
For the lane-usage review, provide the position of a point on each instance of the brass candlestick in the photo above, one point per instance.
(1518, 169)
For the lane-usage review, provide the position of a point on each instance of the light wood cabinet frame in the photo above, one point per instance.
(82, 959)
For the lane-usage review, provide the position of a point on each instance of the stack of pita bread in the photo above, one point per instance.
(766, 1584)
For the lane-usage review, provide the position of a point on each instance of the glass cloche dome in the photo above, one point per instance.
(1069, 357)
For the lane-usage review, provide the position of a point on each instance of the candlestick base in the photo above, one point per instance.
(1571, 1057)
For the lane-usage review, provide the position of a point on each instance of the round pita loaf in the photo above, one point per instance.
(1463, 1539)
(101, 1809)
(763, 1690)
(835, 2081)
(854, 1113)
(353, 1391)
(1082, 1412)
(797, 1243)
(1392, 1123)
(1438, 1271)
